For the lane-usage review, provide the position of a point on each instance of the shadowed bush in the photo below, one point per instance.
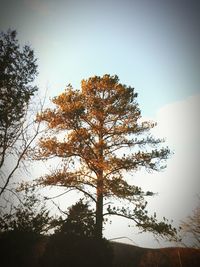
(73, 251)
(17, 249)
(74, 244)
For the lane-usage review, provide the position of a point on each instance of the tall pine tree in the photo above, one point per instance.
(98, 133)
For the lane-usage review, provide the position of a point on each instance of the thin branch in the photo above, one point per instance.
(122, 215)
(65, 213)
(72, 187)
(4, 148)
(59, 195)
(18, 161)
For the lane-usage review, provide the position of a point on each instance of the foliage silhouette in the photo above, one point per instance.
(17, 248)
(75, 251)
(74, 243)
(30, 216)
(80, 221)
(21, 230)
(18, 70)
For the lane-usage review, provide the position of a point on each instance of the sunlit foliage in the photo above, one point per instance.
(99, 134)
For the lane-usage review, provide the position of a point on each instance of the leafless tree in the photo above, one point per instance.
(191, 227)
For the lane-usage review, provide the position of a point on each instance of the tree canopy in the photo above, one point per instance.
(99, 135)
(18, 70)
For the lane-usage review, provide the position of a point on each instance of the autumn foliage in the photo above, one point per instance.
(99, 135)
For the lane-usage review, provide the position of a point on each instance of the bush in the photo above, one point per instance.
(17, 249)
(73, 251)
(74, 244)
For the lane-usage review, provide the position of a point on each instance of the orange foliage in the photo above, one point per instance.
(100, 121)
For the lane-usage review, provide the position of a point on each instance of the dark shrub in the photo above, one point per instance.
(17, 249)
(73, 251)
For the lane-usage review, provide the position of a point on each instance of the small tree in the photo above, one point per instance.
(80, 221)
(191, 227)
(30, 216)
(98, 134)
(18, 70)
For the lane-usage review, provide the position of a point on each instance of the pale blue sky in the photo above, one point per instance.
(152, 45)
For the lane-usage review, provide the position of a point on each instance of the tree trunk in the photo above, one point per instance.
(99, 208)
(99, 217)
(100, 185)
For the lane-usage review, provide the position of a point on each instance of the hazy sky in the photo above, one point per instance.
(152, 45)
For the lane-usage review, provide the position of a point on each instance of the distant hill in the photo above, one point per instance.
(133, 256)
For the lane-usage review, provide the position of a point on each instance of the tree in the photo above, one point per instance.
(191, 227)
(98, 134)
(30, 216)
(80, 221)
(18, 70)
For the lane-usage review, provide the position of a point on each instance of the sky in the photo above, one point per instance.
(151, 45)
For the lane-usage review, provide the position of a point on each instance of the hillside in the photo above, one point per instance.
(21, 250)
(133, 256)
